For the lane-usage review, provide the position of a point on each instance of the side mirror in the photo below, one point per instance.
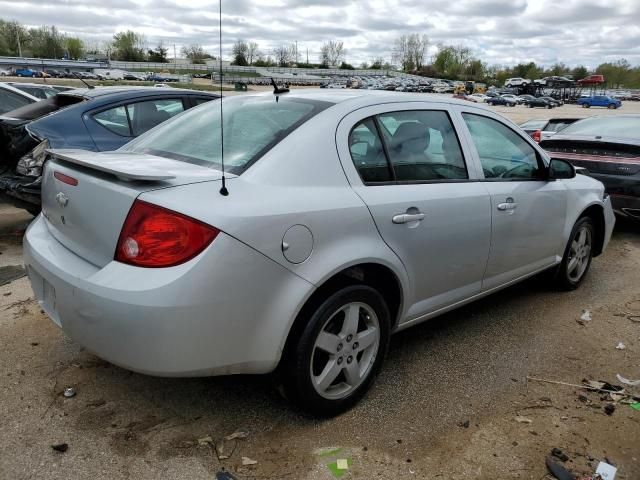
(561, 169)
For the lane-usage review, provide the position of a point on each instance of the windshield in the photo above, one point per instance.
(252, 126)
(614, 126)
(535, 124)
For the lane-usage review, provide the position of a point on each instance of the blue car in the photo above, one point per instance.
(599, 101)
(26, 72)
(98, 119)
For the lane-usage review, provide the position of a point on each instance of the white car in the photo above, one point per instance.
(4, 73)
(341, 217)
(478, 97)
(516, 82)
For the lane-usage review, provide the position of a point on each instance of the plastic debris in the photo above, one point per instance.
(238, 434)
(342, 464)
(521, 419)
(635, 406)
(205, 440)
(620, 346)
(464, 424)
(220, 452)
(559, 454)
(609, 408)
(585, 317)
(338, 470)
(606, 471)
(626, 381)
(224, 476)
(558, 470)
(69, 392)
(247, 461)
(60, 447)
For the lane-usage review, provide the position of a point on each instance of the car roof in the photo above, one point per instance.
(360, 97)
(102, 92)
(10, 88)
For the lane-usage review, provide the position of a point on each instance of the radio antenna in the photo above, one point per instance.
(223, 190)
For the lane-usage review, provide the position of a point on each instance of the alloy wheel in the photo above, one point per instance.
(579, 253)
(345, 351)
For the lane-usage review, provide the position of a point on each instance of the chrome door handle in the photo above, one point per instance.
(408, 217)
(507, 206)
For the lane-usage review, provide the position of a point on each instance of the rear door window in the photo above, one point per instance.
(368, 154)
(143, 116)
(115, 120)
(11, 101)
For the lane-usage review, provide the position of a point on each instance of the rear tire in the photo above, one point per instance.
(577, 255)
(337, 355)
(611, 106)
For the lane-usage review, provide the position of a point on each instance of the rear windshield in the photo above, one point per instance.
(39, 92)
(557, 124)
(613, 126)
(533, 124)
(44, 107)
(251, 126)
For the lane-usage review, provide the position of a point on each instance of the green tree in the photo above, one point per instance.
(240, 51)
(45, 42)
(159, 55)
(129, 46)
(74, 47)
(558, 69)
(13, 37)
(579, 72)
(195, 53)
(616, 73)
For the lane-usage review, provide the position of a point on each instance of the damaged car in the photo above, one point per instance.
(96, 119)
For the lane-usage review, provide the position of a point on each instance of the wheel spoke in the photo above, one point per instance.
(367, 337)
(352, 372)
(351, 318)
(328, 375)
(574, 246)
(582, 239)
(573, 263)
(328, 342)
(587, 251)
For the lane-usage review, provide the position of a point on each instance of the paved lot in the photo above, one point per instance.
(470, 365)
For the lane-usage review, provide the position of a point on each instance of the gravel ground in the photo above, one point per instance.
(445, 405)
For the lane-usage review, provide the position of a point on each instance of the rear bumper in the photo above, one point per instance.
(624, 192)
(227, 311)
(609, 221)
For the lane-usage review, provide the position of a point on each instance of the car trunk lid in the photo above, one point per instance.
(597, 156)
(86, 196)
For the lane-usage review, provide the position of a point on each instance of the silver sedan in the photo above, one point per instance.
(340, 218)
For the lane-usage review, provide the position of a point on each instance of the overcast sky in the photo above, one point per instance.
(498, 31)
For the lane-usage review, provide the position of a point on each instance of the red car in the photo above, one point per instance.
(592, 80)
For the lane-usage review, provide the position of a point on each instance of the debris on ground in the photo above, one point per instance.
(606, 471)
(635, 406)
(558, 471)
(10, 273)
(205, 440)
(585, 317)
(60, 447)
(559, 454)
(247, 461)
(609, 408)
(339, 467)
(224, 475)
(626, 381)
(69, 392)
(521, 419)
(620, 346)
(221, 453)
(238, 434)
(464, 424)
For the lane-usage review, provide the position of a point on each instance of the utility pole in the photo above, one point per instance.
(296, 52)
(307, 56)
(175, 59)
(19, 46)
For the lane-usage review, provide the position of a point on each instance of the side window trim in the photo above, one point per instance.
(385, 149)
(541, 163)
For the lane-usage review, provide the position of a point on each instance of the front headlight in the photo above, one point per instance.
(30, 164)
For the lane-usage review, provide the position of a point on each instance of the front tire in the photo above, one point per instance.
(577, 255)
(336, 357)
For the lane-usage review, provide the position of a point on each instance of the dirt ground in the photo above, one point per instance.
(452, 402)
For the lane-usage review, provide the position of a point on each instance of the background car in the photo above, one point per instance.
(4, 73)
(599, 101)
(516, 82)
(609, 148)
(540, 102)
(296, 261)
(12, 98)
(543, 129)
(556, 81)
(554, 101)
(478, 97)
(99, 119)
(524, 99)
(592, 80)
(38, 90)
(54, 73)
(26, 72)
(501, 100)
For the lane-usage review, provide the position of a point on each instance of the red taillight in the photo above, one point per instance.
(155, 237)
(66, 179)
(537, 135)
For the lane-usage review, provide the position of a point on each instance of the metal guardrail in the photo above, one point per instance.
(40, 63)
